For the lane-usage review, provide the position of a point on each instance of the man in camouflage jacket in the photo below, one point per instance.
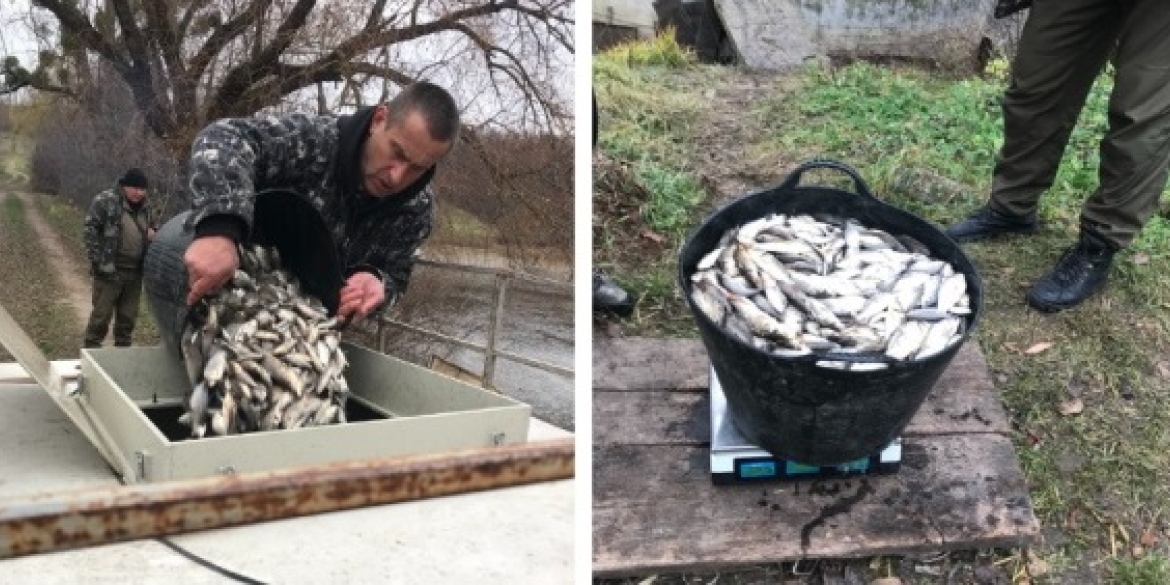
(117, 231)
(366, 174)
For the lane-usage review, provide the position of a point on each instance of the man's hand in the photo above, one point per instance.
(362, 293)
(211, 261)
(150, 232)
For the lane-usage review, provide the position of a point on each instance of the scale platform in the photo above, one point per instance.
(734, 460)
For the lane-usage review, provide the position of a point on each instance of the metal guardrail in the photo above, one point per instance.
(490, 350)
(101, 516)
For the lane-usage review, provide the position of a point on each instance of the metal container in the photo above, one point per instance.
(130, 398)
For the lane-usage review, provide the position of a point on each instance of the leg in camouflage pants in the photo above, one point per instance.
(1065, 45)
(114, 297)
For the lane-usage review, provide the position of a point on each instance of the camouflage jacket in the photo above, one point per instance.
(318, 159)
(103, 228)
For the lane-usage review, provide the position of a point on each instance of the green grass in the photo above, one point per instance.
(650, 128)
(648, 125)
(29, 299)
(14, 158)
(1099, 479)
(1147, 571)
(879, 120)
(672, 196)
(662, 50)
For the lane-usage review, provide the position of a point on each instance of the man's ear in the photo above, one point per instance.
(380, 115)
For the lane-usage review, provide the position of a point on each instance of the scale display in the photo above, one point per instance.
(735, 460)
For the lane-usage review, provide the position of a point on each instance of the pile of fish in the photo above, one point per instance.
(799, 285)
(262, 355)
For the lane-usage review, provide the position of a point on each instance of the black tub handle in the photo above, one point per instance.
(858, 184)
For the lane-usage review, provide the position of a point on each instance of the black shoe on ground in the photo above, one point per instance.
(611, 298)
(987, 222)
(1079, 274)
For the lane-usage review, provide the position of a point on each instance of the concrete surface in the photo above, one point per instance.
(780, 34)
(514, 535)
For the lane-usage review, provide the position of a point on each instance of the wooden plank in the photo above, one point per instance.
(656, 510)
(649, 364)
(651, 418)
(963, 400)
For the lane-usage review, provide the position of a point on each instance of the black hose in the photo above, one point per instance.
(208, 564)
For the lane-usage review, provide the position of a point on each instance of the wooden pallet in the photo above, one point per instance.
(656, 510)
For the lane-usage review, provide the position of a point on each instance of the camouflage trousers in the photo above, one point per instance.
(1064, 47)
(114, 296)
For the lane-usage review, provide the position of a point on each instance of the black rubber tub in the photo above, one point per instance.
(789, 406)
(280, 219)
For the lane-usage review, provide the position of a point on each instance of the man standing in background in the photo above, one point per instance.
(117, 231)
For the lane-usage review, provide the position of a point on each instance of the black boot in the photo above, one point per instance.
(611, 298)
(987, 222)
(1078, 275)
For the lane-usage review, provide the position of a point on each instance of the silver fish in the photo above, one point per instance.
(907, 340)
(793, 284)
(231, 361)
(763, 324)
(938, 338)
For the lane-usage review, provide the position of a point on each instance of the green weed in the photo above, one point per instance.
(673, 196)
(662, 50)
(1152, 570)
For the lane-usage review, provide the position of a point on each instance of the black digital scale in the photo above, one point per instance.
(734, 460)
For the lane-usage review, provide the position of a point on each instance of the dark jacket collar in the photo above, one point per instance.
(352, 133)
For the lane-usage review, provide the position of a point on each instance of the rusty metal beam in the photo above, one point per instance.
(68, 520)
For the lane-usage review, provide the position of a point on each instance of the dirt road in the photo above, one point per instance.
(73, 279)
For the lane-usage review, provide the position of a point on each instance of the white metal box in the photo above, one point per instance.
(132, 397)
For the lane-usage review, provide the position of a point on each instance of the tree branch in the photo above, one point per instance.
(161, 22)
(74, 21)
(188, 16)
(374, 17)
(225, 34)
(237, 81)
(134, 42)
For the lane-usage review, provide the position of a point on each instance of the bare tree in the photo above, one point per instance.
(187, 62)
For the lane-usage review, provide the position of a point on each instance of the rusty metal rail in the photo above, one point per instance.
(67, 520)
(490, 351)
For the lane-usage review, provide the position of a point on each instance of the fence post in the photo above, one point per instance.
(489, 358)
